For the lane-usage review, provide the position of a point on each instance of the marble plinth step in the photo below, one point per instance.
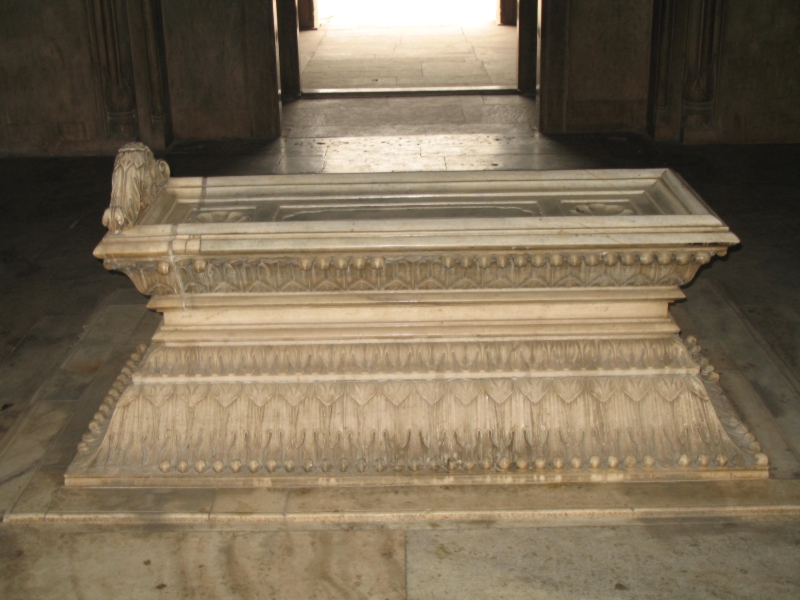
(654, 412)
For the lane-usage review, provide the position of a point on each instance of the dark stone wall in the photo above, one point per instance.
(50, 96)
(759, 72)
(595, 64)
(726, 71)
(86, 76)
(222, 71)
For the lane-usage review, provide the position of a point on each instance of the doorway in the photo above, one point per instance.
(409, 45)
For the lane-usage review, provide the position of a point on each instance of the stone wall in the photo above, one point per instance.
(595, 64)
(86, 76)
(51, 97)
(726, 71)
(223, 76)
(759, 72)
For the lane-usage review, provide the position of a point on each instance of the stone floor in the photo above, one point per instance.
(388, 52)
(67, 326)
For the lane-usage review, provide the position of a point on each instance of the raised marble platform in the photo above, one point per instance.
(411, 328)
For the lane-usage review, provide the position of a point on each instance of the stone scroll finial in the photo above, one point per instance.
(138, 178)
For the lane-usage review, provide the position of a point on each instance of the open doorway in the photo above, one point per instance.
(409, 44)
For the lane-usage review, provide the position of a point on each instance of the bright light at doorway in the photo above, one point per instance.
(404, 13)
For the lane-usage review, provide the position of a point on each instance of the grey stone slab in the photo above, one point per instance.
(300, 164)
(142, 564)
(784, 461)
(716, 318)
(22, 454)
(435, 80)
(499, 113)
(384, 164)
(780, 326)
(112, 327)
(521, 149)
(670, 561)
(38, 495)
(516, 161)
(63, 449)
(21, 374)
(233, 504)
(400, 129)
(338, 81)
(92, 503)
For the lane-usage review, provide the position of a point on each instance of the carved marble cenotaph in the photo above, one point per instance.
(414, 328)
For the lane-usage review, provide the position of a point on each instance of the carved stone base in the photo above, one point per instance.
(305, 414)
(367, 329)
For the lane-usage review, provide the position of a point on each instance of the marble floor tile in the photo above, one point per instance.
(142, 564)
(780, 325)
(31, 439)
(657, 561)
(516, 161)
(21, 374)
(384, 164)
(32, 504)
(300, 164)
(447, 55)
(752, 357)
(113, 326)
(241, 504)
(92, 504)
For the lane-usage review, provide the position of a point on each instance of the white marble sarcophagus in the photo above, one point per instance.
(411, 327)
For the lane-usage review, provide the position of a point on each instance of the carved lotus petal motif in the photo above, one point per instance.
(362, 391)
(631, 352)
(294, 393)
(636, 387)
(606, 354)
(602, 388)
(259, 394)
(590, 354)
(523, 357)
(397, 356)
(639, 281)
(541, 354)
(499, 390)
(669, 388)
(466, 391)
(130, 395)
(568, 388)
(696, 387)
(568, 281)
(326, 285)
(361, 285)
(159, 394)
(573, 352)
(430, 284)
(558, 355)
(226, 393)
(397, 392)
(534, 389)
(328, 393)
(431, 391)
(193, 394)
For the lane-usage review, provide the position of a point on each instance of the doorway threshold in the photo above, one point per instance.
(405, 92)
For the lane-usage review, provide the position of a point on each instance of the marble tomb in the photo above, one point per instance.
(354, 329)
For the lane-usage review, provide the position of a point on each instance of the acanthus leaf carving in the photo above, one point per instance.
(137, 180)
